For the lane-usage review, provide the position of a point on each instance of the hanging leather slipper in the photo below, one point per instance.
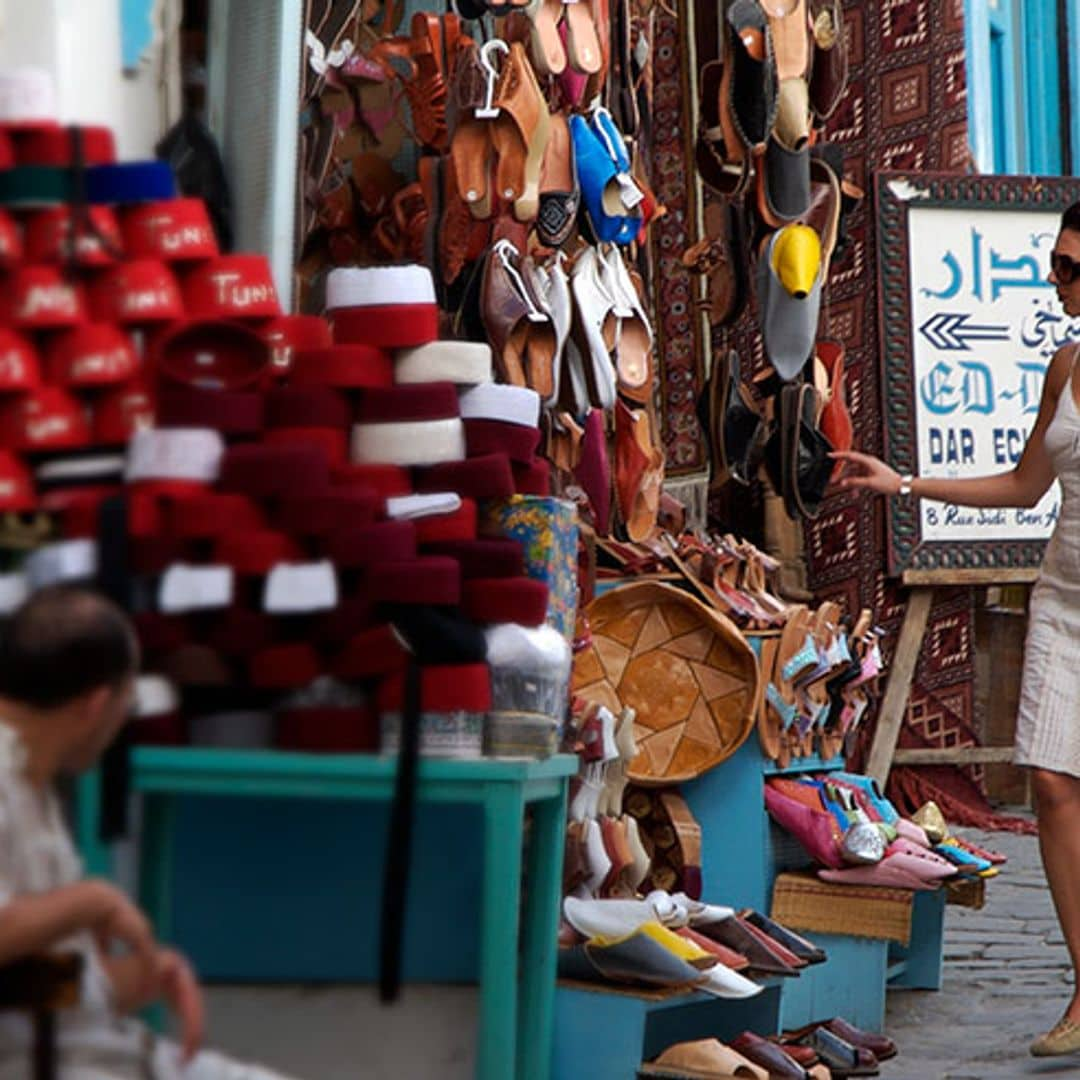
(721, 257)
(594, 328)
(545, 45)
(829, 67)
(810, 466)
(593, 472)
(741, 425)
(748, 89)
(639, 472)
(521, 332)
(519, 134)
(552, 288)
(783, 187)
(766, 644)
(609, 196)
(791, 42)
(724, 169)
(582, 42)
(836, 423)
(470, 145)
(560, 190)
(823, 213)
(633, 357)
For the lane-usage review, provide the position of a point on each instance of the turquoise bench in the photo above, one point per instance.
(517, 986)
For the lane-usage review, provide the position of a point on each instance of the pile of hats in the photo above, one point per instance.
(100, 263)
(296, 512)
(286, 490)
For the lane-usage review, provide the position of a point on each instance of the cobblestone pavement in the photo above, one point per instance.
(1007, 978)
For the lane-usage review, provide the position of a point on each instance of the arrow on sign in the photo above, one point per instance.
(953, 332)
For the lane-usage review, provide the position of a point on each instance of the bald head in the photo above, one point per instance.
(62, 643)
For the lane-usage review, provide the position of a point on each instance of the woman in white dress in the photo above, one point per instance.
(1048, 723)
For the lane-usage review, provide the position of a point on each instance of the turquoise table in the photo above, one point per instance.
(517, 986)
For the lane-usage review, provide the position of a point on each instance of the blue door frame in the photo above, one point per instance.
(1015, 85)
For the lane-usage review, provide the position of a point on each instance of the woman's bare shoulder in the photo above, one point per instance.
(1061, 364)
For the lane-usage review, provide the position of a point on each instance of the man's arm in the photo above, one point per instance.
(35, 922)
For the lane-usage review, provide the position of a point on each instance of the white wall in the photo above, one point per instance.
(78, 41)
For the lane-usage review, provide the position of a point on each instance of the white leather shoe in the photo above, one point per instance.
(594, 308)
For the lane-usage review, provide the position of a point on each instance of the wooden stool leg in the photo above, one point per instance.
(45, 1045)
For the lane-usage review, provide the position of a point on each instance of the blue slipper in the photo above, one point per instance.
(601, 190)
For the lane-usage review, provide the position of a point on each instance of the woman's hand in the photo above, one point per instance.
(868, 472)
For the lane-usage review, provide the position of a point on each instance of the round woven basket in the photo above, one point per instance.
(684, 668)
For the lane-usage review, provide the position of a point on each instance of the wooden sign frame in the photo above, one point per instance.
(917, 560)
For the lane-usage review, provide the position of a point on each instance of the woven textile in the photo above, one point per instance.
(905, 108)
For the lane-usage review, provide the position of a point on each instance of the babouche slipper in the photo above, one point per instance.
(704, 1059)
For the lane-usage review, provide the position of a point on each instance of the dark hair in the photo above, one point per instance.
(1071, 218)
(63, 642)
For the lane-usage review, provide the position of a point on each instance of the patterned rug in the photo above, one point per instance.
(906, 108)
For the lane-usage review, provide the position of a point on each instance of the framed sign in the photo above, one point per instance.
(969, 324)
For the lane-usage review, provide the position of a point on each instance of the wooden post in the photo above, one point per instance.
(894, 705)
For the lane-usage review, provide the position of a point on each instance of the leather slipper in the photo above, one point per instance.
(470, 145)
(703, 1059)
(810, 465)
(545, 45)
(722, 257)
(594, 328)
(722, 166)
(840, 1056)
(609, 196)
(560, 190)
(582, 41)
(783, 187)
(768, 1056)
(593, 472)
(836, 423)
(639, 472)
(829, 67)
(521, 331)
(791, 42)
(552, 287)
(748, 89)
(519, 134)
(823, 212)
(633, 335)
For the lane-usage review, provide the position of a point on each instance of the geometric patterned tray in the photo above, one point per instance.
(684, 668)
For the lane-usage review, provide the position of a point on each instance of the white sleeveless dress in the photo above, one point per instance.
(1048, 720)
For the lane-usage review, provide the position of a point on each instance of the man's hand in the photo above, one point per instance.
(115, 918)
(181, 990)
(168, 977)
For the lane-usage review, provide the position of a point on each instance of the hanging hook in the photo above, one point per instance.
(489, 110)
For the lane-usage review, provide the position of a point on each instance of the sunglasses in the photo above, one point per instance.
(1065, 269)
